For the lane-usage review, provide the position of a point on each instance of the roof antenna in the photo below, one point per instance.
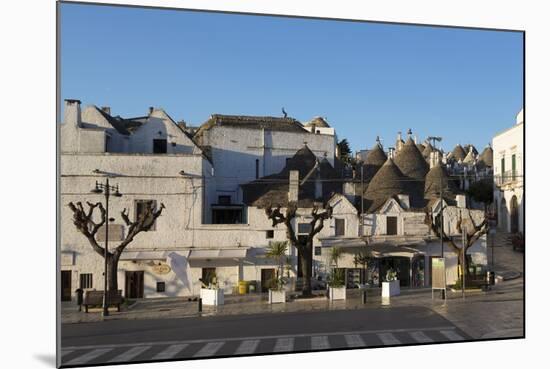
(284, 112)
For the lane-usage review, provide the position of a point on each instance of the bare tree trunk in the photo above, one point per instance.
(307, 267)
(112, 269)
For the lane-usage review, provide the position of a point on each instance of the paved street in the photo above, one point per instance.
(253, 334)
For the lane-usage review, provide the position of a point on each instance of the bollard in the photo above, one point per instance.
(364, 297)
(200, 305)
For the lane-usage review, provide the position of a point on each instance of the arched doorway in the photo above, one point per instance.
(503, 215)
(514, 215)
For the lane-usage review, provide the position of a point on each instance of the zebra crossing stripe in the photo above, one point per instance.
(388, 339)
(130, 354)
(419, 336)
(88, 356)
(452, 335)
(284, 344)
(170, 352)
(247, 347)
(209, 349)
(319, 343)
(354, 340)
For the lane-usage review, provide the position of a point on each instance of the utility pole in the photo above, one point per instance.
(463, 262)
(106, 188)
(362, 201)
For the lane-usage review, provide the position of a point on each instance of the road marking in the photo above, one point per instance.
(130, 354)
(452, 335)
(209, 349)
(419, 336)
(284, 344)
(375, 331)
(388, 339)
(354, 340)
(170, 351)
(247, 347)
(319, 343)
(88, 357)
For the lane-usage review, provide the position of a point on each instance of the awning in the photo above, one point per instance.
(144, 255)
(218, 254)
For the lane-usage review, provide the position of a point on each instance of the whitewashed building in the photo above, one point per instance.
(508, 176)
(245, 148)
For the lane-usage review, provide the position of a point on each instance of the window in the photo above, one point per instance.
(339, 227)
(317, 250)
(257, 168)
(304, 227)
(502, 166)
(224, 200)
(269, 234)
(208, 275)
(391, 225)
(514, 167)
(86, 280)
(161, 286)
(159, 146)
(141, 207)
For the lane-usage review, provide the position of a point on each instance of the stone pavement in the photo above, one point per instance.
(490, 314)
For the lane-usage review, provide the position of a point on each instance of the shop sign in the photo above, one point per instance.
(161, 269)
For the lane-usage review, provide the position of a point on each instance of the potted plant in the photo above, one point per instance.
(211, 294)
(277, 251)
(336, 280)
(390, 287)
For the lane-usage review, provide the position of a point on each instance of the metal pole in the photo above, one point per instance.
(362, 210)
(441, 214)
(105, 302)
(463, 262)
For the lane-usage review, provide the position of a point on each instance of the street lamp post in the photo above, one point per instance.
(106, 189)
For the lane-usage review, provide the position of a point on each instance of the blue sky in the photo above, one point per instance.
(367, 79)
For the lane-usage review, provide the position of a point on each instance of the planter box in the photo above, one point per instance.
(277, 297)
(337, 293)
(212, 297)
(390, 288)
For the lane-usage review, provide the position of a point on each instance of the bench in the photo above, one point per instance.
(95, 298)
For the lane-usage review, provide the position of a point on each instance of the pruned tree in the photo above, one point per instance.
(85, 224)
(473, 232)
(306, 246)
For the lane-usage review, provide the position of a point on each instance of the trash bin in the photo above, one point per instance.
(79, 298)
(243, 287)
(491, 278)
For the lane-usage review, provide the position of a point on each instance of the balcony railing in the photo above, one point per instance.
(509, 177)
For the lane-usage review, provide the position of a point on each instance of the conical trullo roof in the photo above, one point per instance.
(428, 149)
(411, 162)
(420, 147)
(376, 156)
(458, 153)
(467, 149)
(387, 182)
(470, 158)
(317, 122)
(436, 177)
(486, 157)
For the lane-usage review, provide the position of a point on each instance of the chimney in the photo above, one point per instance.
(460, 201)
(404, 201)
(293, 185)
(415, 142)
(435, 159)
(106, 109)
(409, 133)
(72, 114)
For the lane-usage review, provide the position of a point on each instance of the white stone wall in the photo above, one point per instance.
(235, 151)
(506, 144)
